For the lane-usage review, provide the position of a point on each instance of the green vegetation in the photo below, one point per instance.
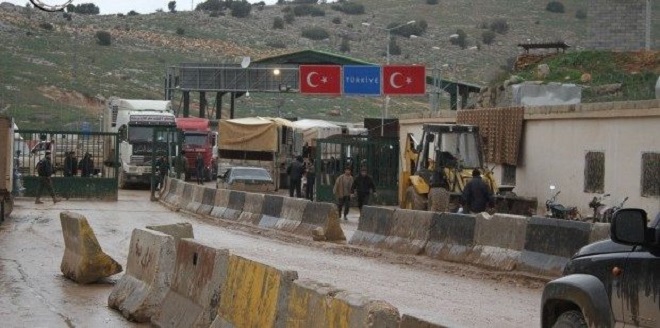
(406, 30)
(240, 9)
(180, 31)
(499, 26)
(345, 45)
(171, 6)
(315, 33)
(278, 23)
(460, 40)
(103, 38)
(431, 2)
(349, 8)
(555, 7)
(308, 10)
(487, 37)
(581, 14)
(83, 8)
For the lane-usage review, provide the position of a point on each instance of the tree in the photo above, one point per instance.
(460, 40)
(180, 31)
(555, 7)
(132, 13)
(431, 2)
(315, 33)
(87, 9)
(395, 49)
(581, 14)
(345, 45)
(70, 8)
(499, 26)
(278, 23)
(289, 17)
(104, 38)
(240, 9)
(488, 37)
(171, 6)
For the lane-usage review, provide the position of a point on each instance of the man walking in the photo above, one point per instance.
(199, 166)
(311, 180)
(163, 166)
(363, 186)
(45, 170)
(476, 195)
(86, 166)
(342, 191)
(295, 172)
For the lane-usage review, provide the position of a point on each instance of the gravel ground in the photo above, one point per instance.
(34, 293)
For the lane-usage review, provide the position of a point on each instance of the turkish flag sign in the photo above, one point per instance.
(404, 80)
(320, 79)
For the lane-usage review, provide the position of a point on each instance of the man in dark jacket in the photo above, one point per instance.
(476, 195)
(363, 185)
(86, 166)
(70, 165)
(311, 180)
(295, 172)
(163, 166)
(199, 166)
(45, 170)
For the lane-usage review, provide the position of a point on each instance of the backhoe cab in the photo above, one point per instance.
(446, 156)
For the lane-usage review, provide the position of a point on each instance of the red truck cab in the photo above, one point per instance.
(198, 138)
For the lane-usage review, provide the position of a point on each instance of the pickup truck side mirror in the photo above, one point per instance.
(629, 227)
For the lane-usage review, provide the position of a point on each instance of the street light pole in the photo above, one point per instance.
(386, 100)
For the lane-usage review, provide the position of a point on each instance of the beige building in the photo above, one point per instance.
(584, 150)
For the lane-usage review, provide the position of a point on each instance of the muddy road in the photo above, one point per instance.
(33, 292)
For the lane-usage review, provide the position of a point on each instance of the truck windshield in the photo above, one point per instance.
(140, 133)
(195, 140)
(463, 147)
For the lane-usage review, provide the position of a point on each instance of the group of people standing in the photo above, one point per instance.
(298, 170)
(72, 165)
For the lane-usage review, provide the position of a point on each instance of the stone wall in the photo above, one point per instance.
(617, 25)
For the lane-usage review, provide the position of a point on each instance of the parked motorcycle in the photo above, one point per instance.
(602, 212)
(558, 211)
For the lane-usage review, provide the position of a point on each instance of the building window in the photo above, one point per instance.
(594, 172)
(508, 174)
(650, 174)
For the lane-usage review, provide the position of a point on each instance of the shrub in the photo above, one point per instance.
(104, 38)
(240, 9)
(171, 6)
(555, 7)
(70, 8)
(312, 2)
(120, 15)
(86, 9)
(278, 44)
(281, 2)
(349, 25)
(336, 20)
(315, 33)
(395, 49)
(289, 18)
(180, 31)
(216, 14)
(483, 25)
(499, 26)
(211, 5)
(581, 14)
(287, 9)
(46, 26)
(345, 45)
(349, 8)
(461, 40)
(308, 10)
(132, 13)
(488, 37)
(431, 2)
(278, 23)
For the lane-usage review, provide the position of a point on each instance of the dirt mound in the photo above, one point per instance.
(91, 105)
(635, 62)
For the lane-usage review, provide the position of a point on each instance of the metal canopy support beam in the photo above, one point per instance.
(218, 105)
(202, 104)
(186, 103)
(232, 103)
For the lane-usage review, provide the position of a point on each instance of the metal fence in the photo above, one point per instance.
(379, 155)
(84, 163)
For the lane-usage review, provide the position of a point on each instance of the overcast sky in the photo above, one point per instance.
(124, 6)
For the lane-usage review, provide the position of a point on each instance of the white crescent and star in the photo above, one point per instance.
(324, 79)
(309, 79)
(393, 82)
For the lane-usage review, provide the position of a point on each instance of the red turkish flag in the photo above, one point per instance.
(320, 79)
(404, 80)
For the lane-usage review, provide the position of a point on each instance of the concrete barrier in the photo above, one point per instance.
(409, 232)
(549, 244)
(178, 230)
(208, 200)
(254, 295)
(220, 203)
(271, 211)
(451, 237)
(499, 240)
(149, 269)
(408, 321)
(324, 216)
(194, 201)
(234, 205)
(292, 213)
(252, 208)
(83, 261)
(374, 226)
(175, 192)
(165, 188)
(599, 231)
(312, 304)
(194, 295)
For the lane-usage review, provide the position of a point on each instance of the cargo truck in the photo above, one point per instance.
(198, 139)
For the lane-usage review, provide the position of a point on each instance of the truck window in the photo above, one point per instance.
(195, 139)
(140, 133)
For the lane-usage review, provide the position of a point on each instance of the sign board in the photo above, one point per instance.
(362, 80)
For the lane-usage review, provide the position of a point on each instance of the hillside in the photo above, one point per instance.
(53, 73)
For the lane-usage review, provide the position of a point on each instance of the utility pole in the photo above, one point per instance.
(648, 25)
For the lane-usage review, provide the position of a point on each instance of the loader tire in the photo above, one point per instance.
(415, 201)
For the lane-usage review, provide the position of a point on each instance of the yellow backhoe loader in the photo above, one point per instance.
(451, 152)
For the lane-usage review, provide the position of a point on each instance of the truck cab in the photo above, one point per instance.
(610, 283)
(198, 139)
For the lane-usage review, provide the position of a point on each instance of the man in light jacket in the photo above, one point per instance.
(342, 191)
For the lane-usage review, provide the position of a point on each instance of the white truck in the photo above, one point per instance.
(135, 120)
